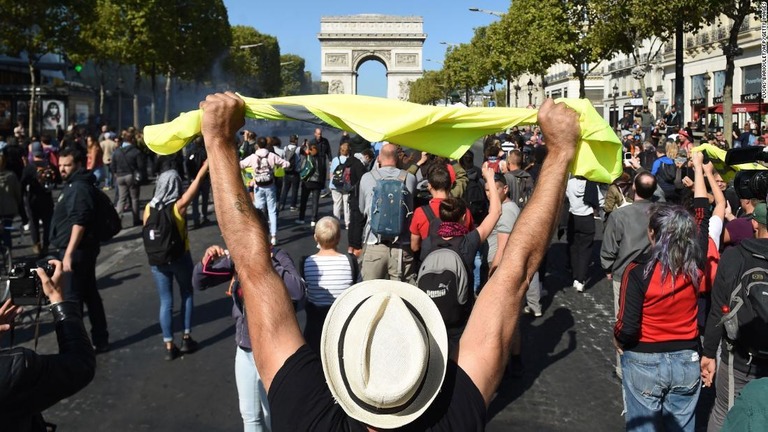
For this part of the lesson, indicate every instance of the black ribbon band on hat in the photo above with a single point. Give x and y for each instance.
(368, 407)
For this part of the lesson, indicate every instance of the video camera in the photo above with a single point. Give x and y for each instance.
(25, 285)
(749, 183)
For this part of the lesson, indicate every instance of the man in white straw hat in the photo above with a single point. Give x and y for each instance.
(384, 360)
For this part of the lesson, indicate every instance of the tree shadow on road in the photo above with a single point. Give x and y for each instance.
(539, 345)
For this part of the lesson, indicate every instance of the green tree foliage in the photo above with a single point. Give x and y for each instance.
(293, 75)
(428, 89)
(463, 71)
(254, 70)
(38, 27)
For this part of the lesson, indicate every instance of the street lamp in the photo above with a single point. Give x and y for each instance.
(251, 45)
(286, 63)
(530, 91)
(517, 90)
(615, 107)
(489, 12)
(450, 44)
(434, 61)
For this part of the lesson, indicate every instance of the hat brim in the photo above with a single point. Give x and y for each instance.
(342, 309)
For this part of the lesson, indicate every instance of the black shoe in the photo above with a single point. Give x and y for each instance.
(101, 347)
(188, 345)
(171, 353)
(205, 222)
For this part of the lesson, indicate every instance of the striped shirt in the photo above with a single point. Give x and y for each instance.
(326, 277)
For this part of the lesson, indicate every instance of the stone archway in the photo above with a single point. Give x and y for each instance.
(346, 42)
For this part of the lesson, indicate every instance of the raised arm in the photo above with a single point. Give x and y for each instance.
(484, 347)
(719, 210)
(272, 324)
(494, 209)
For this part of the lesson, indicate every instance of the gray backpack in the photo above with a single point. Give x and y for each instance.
(444, 278)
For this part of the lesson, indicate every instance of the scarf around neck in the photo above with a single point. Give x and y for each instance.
(452, 229)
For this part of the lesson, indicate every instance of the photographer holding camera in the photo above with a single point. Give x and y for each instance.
(30, 382)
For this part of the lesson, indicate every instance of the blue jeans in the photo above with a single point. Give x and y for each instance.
(267, 196)
(661, 390)
(254, 407)
(164, 274)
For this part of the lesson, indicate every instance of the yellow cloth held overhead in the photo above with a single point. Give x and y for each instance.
(444, 131)
(717, 156)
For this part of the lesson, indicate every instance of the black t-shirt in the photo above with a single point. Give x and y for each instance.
(299, 400)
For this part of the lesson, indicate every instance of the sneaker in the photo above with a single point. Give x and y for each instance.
(293, 208)
(578, 285)
(171, 353)
(325, 194)
(528, 310)
(300, 221)
(274, 241)
(188, 345)
(312, 223)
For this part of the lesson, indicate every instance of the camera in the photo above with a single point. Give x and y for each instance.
(25, 285)
(749, 183)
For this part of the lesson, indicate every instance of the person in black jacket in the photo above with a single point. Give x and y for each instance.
(31, 383)
(127, 161)
(73, 233)
(37, 180)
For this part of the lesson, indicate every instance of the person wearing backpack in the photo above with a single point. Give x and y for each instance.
(263, 163)
(312, 175)
(11, 202)
(291, 180)
(737, 321)
(656, 331)
(74, 233)
(386, 200)
(519, 181)
(448, 261)
(341, 184)
(166, 241)
(665, 170)
(37, 182)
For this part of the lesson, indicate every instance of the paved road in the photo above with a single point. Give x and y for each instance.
(567, 384)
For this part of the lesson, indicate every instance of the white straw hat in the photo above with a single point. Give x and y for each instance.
(384, 350)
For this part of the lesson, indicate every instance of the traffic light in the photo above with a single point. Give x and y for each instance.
(78, 67)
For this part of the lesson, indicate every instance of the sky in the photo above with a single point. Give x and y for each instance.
(296, 24)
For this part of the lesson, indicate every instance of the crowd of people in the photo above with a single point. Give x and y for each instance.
(462, 244)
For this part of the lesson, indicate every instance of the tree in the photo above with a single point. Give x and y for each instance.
(428, 89)
(200, 34)
(462, 70)
(39, 27)
(256, 69)
(293, 75)
(738, 11)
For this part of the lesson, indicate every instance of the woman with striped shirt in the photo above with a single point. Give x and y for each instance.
(327, 273)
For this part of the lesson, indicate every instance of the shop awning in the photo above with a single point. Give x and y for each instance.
(751, 107)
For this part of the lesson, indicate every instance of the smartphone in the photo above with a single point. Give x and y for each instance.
(627, 156)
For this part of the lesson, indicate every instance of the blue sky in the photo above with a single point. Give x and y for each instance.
(296, 23)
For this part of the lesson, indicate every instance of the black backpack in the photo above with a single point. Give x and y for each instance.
(292, 157)
(108, 222)
(162, 239)
(446, 280)
(746, 323)
(474, 196)
(342, 177)
(520, 185)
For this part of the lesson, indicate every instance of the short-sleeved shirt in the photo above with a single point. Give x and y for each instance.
(420, 223)
(299, 400)
(327, 277)
(509, 213)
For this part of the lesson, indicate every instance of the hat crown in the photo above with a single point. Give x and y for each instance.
(386, 352)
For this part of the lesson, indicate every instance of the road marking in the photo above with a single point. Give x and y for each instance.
(124, 249)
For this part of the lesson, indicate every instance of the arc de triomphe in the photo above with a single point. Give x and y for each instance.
(346, 42)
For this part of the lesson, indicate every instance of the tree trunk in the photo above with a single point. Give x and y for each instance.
(733, 40)
(152, 104)
(101, 92)
(166, 115)
(32, 97)
(136, 83)
(582, 83)
(679, 78)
